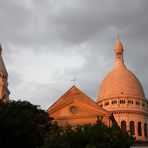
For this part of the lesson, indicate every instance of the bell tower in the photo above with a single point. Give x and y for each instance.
(4, 91)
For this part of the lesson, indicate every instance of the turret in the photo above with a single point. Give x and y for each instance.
(4, 91)
(119, 53)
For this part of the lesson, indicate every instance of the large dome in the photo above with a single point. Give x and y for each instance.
(120, 81)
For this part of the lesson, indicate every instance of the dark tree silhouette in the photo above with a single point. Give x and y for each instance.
(89, 136)
(23, 125)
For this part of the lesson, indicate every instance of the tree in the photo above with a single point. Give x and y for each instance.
(89, 136)
(23, 125)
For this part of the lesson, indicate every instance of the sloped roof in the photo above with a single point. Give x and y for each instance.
(77, 95)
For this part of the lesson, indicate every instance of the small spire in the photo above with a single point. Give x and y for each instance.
(118, 44)
(119, 52)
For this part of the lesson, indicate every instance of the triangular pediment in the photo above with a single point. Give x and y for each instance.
(76, 98)
(75, 108)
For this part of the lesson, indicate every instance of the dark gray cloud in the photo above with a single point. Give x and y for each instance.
(47, 42)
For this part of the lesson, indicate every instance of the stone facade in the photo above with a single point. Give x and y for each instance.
(74, 108)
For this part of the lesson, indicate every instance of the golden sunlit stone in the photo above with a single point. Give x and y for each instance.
(120, 94)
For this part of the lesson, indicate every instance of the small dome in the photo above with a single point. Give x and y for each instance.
(121, 81)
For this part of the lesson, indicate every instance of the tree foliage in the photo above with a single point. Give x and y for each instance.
(22, 125)
(89, 136)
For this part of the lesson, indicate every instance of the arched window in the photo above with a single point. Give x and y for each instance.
(122, 101)
(139, 129)
(137, 103)
(106, 103)
(145, 130)
(114, 102)
(130, 101)
(123, 125)
(101, 105)
(132, 128)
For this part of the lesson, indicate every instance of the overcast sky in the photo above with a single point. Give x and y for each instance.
(48, 42)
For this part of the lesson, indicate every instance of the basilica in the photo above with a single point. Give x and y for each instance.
(120, 96)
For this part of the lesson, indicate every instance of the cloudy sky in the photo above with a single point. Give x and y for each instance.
(48, 42)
